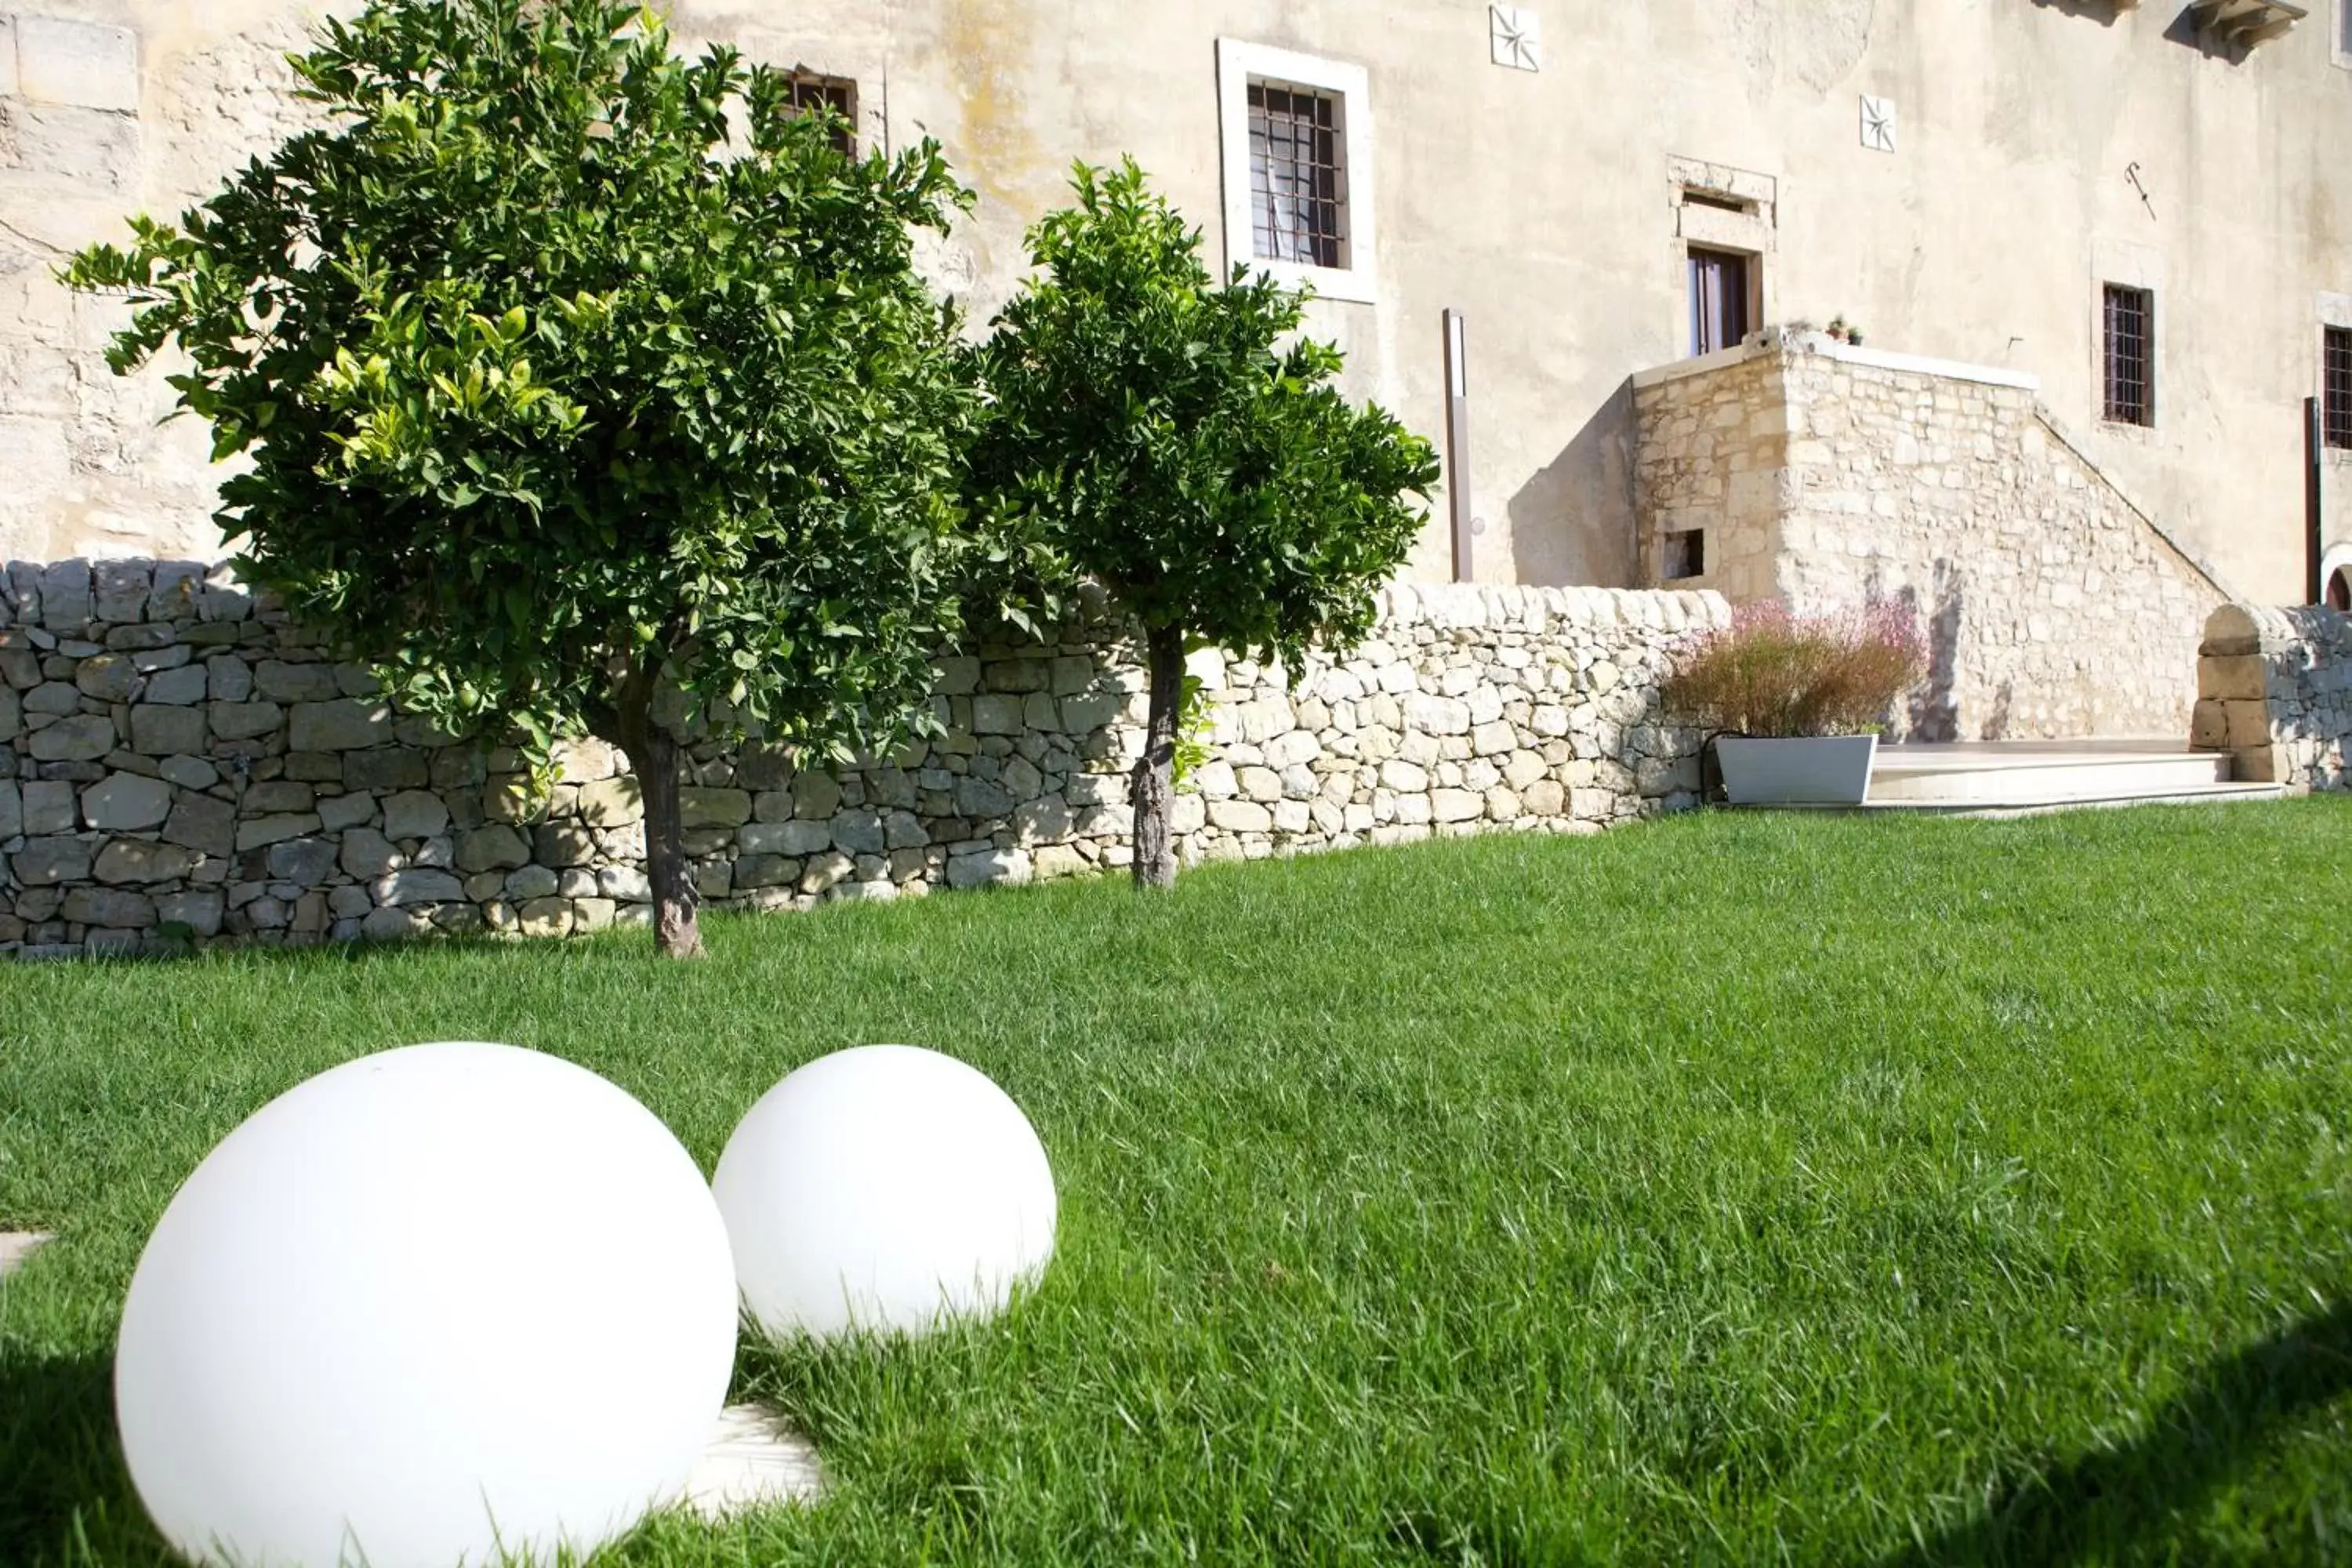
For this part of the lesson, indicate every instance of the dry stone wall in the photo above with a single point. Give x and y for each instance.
(2274, 688)
(2051, 606)
(180, 763)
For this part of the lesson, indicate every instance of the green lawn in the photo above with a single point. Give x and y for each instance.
(1740, 1189)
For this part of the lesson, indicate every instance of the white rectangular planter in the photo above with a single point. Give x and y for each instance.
(1809, 770)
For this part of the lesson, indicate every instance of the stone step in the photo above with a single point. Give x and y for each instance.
(2182, 795)
(2000, 777)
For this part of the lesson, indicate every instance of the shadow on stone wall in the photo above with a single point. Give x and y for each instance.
(1572, 522)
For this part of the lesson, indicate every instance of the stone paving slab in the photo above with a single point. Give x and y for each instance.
(15, 1246)
(752, 1460)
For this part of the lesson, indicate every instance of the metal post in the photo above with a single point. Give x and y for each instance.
(2314, 449)
(1457, 439)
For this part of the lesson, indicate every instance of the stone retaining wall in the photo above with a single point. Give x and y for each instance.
(179, 763)
(2052, 606)
(2274, 688)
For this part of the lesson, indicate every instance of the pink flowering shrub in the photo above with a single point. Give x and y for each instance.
(1774, 673)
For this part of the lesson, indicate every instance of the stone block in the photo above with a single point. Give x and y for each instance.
(555, 844)
(53, 698)
(415, 814)
(815, 795)
(996, 713)
(65, 585)
(142, 860)
(260, 832)
(246, 721)
(2250, 724)
(714, 808)
(794, 837)
(1006, 866)
(528, 883)
(627, 884)
(76, 738)
(200, 821)
(12, 713)
(180, 688)
(112, 907)
(279, 681)
(612, 802)
(305, 862)
(2209, 726)
(124, 803)
(417, 885)
(199, 910)
(276, 795)
(497, 848)
(2238, 677)
(108, 677)
(545, 917)
(1241, 816)
(385, 768)
(51, 862)
(346, 724)
(859, 832)
(82, 65)
(189, 772)
(12, 810)
(230, 678)
(764, 871)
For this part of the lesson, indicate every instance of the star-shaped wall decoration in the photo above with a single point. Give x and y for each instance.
(1518, 36)
(1878, 123)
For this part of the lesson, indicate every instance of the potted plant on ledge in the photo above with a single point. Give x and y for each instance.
(1796, 702)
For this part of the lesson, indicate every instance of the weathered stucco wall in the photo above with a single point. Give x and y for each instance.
(1538, 203)
(2051, 606)
(171, 755)
(2274, 688)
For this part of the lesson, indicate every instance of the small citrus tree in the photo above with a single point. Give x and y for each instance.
(1157, 434)
(575, 378)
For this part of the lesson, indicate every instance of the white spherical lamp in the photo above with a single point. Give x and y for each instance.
(885, 1189)
(430, 1307)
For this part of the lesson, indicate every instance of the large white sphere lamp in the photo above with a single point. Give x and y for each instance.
(430, 1307)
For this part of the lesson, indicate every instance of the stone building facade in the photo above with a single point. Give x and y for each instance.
(1965, 180)
(178, 763)
(1825, 476)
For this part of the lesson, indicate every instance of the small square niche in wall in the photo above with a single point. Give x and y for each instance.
(1518, 36)
(1878, 123)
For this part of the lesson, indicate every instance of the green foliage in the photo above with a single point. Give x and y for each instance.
(1158, 433)
(566, 367)
(1775, 673)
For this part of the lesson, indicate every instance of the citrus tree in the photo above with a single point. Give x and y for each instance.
(579, 383)
(1179, 443)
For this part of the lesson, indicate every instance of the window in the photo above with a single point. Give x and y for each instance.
(1298, 187)
(1718, 300)
(2335, 387)
(2130, 355)
(1295, 135)
(1685, 554)
(812, 91)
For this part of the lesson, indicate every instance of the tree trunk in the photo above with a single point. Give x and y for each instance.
(1154, 791)
(677, 925)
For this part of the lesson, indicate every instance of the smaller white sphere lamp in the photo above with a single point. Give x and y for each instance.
(885, 1189)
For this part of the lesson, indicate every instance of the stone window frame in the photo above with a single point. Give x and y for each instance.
(1239, 64)
(1716, 206)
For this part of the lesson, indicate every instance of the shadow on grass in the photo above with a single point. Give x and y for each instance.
(65, 1495)
(2102, 1503)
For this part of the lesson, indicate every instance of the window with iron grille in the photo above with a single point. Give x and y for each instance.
(1298, 177)
(2335, 387)
(812, 93)
(2130, 355)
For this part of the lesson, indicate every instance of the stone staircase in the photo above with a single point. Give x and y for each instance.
(2024, 778)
